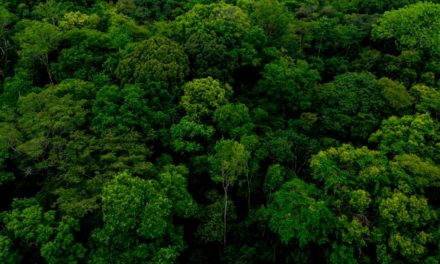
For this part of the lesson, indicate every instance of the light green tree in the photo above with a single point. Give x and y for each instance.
(414, 26)
(229, 162)
(395, 93)
(40, 230)
(203, 96)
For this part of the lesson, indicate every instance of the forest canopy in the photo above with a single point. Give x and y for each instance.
(234, 131)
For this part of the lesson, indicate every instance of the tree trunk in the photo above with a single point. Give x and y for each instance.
(249, 180)
(46, 63)
(225, 213)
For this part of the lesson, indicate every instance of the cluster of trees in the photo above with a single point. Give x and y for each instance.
(236, 131)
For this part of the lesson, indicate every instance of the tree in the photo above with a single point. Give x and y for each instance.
(123, 110)
(187, 134)
(379, 6)
(37, 40)
(207, 57)
(58, 112)
(63, 248)
(227, 164)
(137, 217)
(38, 141)
(231, 28)
(427, 99)
(298, 211)
(233, 120)
(275, 177)
(413, 27)
(406, 67)
(417, 134)
(395, 93)
(363, 199)
(273, 17)
(91, 162)
(7, 255)
(287, 86)
(85, 56)
(235, 131)
(39, 230)
(202, 96)
(226, 22)
(211, 228)
(157, 59)
(124, 30)
(51, 11)
(351, 105)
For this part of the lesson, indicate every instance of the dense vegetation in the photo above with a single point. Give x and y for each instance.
(199, 131)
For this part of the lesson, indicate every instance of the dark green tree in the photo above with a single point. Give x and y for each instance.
(351, 106)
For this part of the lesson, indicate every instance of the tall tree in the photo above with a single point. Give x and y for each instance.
(37, 40)
(227, 164)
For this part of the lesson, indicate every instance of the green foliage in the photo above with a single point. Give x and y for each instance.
(85, 52)
(32, 226)
(272, 16)
(50, 11)
(379, 6)
(36, 41)
(207, 57)
(351, 105)
(187, 134)
(404, 67)
(249, 131)
(211, 227)
(202, 96)
(416, 134)
(400, 214)
(427, 98)
(63, 248)
(6, 19)
(233, 120)
(413, 27)
(298, 212)
(123, 30)
(287, 86)
(28, 221)
(137, 217)
(156, 59)
(7, 255)
(47, 119)
(229, 162)
(395, 93)
(226, 22)
(123, 110)
(274, 178)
